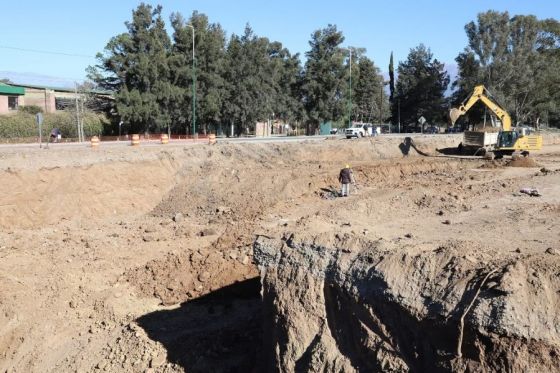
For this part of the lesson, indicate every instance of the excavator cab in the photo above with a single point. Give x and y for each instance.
(507, 139)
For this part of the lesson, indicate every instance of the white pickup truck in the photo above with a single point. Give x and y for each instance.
(357, 131)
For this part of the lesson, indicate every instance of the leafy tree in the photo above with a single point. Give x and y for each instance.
(324, 81)
(421, 85)
(470, 76)
(135, 65)
(547, 97)
(516, 59)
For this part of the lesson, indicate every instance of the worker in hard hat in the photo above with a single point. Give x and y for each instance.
(346, 177)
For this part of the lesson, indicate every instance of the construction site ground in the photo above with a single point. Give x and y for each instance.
(140, 259)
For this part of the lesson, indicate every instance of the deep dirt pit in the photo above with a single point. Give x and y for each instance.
(124, 287)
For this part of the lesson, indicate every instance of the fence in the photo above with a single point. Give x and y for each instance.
(143, 137)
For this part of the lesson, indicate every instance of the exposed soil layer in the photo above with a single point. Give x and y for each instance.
(388, 306)
(140, 259)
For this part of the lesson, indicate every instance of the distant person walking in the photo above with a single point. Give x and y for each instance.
(346, 177)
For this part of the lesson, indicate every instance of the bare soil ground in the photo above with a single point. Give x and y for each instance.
(135, 260)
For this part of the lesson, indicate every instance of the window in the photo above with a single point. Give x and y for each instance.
(62, 103)
(13, 102)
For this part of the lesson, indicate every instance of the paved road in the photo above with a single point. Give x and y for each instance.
(232, 140)
(171, 143)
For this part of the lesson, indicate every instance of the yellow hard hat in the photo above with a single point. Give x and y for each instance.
(347, 166)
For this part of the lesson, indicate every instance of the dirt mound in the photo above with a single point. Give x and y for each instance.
(523, 162)
(377, 306)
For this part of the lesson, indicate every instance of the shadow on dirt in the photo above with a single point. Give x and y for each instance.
(450, 151)
(329, 193)
(405, 146)
(408, 144)
(218, 332)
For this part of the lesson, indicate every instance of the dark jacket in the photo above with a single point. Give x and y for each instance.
(345, 176)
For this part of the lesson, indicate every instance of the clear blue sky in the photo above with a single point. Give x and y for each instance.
(84, 27)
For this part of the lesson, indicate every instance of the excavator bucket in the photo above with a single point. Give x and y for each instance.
(454, 114)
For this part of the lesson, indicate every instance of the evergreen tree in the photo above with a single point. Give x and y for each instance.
(250, 86)
(135, 64)
(369, 100)
(324, 81)
(209, 71)
(421, 86)
(287, 72)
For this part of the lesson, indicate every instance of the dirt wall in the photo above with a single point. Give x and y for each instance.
(337, 304)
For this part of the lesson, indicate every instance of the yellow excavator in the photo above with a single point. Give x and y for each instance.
(504, 142)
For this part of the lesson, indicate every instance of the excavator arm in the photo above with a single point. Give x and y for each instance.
(479, 93)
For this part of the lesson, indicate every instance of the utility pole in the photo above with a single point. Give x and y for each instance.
(77, 112)
(82, 121)
(193, 85)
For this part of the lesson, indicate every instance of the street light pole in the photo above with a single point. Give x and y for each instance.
(349, 49)
(193, 85)
(399, 110)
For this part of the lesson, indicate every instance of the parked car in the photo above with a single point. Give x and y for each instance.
(432, 130)
(356, 131)
(334, 131)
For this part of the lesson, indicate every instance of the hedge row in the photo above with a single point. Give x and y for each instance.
(21, 124)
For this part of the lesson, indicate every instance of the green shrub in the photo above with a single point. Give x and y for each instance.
(30, 109)
(22, 124)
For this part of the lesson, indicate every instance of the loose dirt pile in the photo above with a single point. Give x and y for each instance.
(523, 162)
(127, 259)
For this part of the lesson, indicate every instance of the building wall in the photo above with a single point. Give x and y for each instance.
(44, 98)
(4, 104)
(262, 129)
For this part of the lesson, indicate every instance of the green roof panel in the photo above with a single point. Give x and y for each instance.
(6, 89)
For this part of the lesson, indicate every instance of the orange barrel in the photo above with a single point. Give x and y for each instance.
(211, 139)
(135, 140)
(94, 142)
(164, 138)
